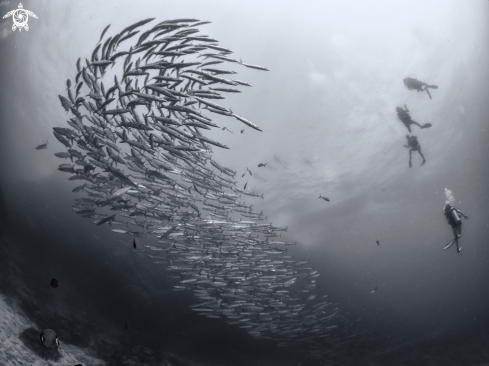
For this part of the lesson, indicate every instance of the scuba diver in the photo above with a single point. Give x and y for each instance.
(405, 118)
(451, 214)
(415, 84)
(413, 145)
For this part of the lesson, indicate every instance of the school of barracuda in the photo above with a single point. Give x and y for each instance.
(155, 169)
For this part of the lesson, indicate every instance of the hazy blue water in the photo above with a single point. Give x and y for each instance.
(327, 108)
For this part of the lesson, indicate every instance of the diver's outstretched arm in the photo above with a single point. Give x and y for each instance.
(460, 212)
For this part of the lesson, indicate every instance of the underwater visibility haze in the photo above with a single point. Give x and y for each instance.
(244, 183)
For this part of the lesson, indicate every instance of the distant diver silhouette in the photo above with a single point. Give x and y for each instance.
(415, 84)
(453, 218)
(405, 118)
(413, 145)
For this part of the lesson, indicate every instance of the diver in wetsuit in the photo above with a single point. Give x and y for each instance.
(453, 218)
(405, 118)
(413, 145)
(415, 84)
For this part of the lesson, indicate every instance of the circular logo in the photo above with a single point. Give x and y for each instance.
(20, 18)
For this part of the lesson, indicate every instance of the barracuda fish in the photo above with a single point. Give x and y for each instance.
(42, 146)
(116, 111)
(245, 121)
(135, 73)
(107, 219)
(62, 155)
(256, 67)
(67, 168)
(227, 90)
(209, 141)
(101, 63)
(65, 103)
(80, 188)
(226, 254)
(137, 126)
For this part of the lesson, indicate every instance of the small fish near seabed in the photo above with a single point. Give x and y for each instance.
(49, 339)
(324, 198)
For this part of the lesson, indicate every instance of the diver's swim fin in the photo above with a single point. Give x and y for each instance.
(426, 125)
(449, 244)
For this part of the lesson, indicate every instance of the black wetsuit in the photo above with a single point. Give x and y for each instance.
(455, 222)
(405, 118)
(413, 145)
(415, 84)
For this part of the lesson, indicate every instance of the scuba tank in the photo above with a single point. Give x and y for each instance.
(455, 216)
(452, 215)
(413, 83)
